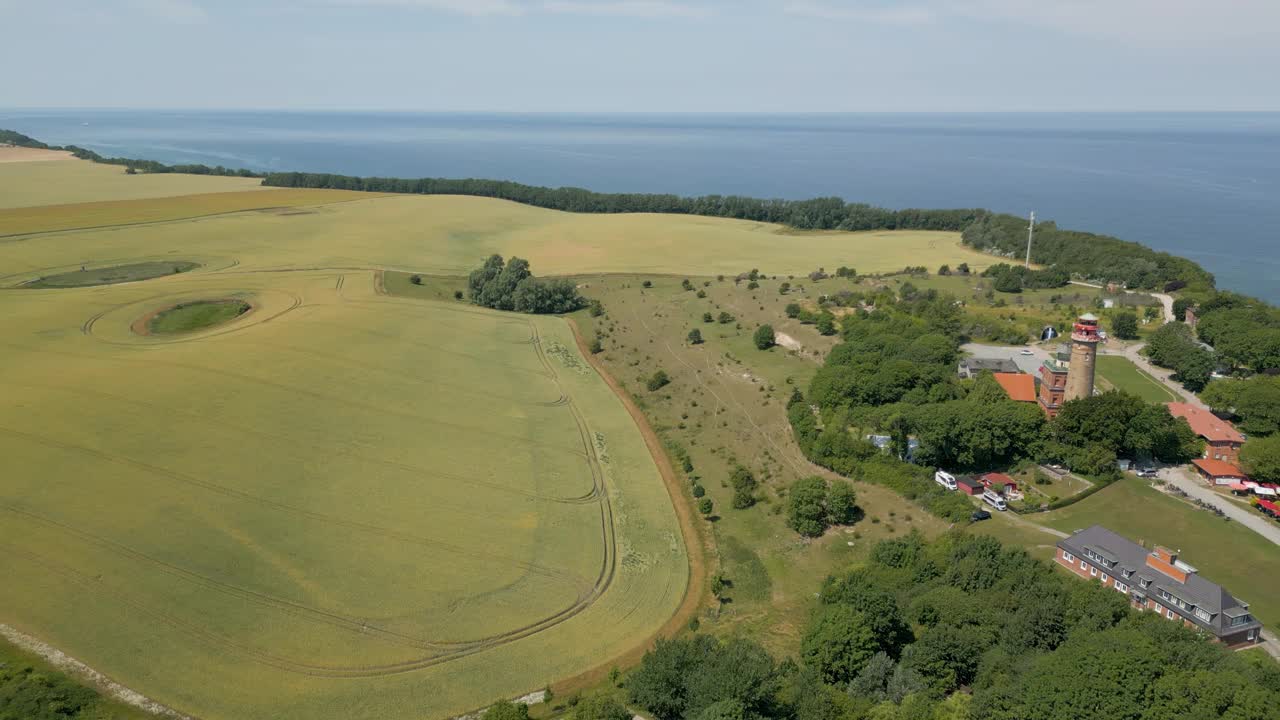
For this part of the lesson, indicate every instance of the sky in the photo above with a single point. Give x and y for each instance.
(643, 55)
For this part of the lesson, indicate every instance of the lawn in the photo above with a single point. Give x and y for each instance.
(1238, 558)
(345, 505)
(1120, 373)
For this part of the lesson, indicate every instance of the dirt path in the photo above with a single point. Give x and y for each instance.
(694, 540)
(74, 667)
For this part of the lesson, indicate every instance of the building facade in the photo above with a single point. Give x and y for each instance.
(1084, 357)
(1053, 387)
(1158, 581)
(1221, 439)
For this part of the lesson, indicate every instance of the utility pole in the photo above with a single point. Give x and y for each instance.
(1031, 230)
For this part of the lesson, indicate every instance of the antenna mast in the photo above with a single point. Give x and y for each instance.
(1031, 230)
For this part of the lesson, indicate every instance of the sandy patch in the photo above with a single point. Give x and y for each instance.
(13, 154)
(787, 341)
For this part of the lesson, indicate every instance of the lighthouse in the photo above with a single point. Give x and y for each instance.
(1084, 356)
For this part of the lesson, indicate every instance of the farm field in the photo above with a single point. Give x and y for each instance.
(47, 218)
(1116, 371)
(56, 182)
(449, 235)
(340, 504)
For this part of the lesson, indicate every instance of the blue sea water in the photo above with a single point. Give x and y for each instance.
(1202, 185)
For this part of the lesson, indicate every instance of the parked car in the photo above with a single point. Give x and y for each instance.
(1147, 472)
(945, 479)
(979, 515)
(995, 500)
(1026, 352)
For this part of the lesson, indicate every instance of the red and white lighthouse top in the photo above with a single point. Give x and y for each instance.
(1085, 328)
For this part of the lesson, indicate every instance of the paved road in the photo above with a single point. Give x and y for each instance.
(1186, 481)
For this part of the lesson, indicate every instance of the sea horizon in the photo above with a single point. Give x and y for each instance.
(1198, 184)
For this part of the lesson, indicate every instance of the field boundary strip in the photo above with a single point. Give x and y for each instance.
(60, 218)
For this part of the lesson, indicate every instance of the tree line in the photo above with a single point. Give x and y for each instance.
(957, 628)
(131, 165)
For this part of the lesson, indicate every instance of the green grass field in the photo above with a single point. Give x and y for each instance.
(189, 317)
(1244, 562)
(90, 277)
(1120, 373)
(345, 504)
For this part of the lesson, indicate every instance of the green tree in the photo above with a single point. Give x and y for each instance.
(506, 710)
(764, 337)
(842, 503)
(744, 486)
(596, 347)
(725, 318)
(600, 707)
(838, 643)
(793, 310)
(706, 507)
(596, 308)
(706, 317)
(1255, 402)
(1261, 458)
(657, 381)
(695, 337)
(806, 506)
(826, 324)
(1124, 325)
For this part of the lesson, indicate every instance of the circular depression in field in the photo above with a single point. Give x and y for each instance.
(115, 271)
(194, 315)
(191, 316)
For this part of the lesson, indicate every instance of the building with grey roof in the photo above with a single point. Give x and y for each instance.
(972, 367)
(1157, 580)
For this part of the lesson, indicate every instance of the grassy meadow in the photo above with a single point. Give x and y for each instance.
(726, 406)
(341, 504)
(1118, 372)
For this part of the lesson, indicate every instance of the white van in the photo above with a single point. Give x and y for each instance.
(945, 479)
(993, 498)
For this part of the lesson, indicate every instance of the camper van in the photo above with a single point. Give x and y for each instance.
(945, 479)
(993, 498)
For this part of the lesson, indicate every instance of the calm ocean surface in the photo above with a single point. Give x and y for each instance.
(1206, 186)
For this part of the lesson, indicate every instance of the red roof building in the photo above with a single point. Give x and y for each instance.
(1019, 386)
(1217, 472)
(1222, 440)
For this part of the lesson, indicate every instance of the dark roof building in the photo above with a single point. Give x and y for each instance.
(1157, 580)
(969, 485)
(972, 367)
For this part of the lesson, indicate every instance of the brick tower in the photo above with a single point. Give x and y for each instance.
(1084, 355)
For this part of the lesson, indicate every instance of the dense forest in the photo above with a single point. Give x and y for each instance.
(961, 628)
(1086, 255)
(894, 372)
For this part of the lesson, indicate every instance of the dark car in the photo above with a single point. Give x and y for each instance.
(980, 515)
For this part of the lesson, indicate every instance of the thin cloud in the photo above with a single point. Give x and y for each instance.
(628, 8)
(180, 12)
(479, 8)
(896, 15)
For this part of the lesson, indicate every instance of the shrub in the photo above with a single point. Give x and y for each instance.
(647, 284)
(706, 507)
(415, 279)
(695, 337)
(658, 381)
(764, 337)
(725, 318)
(596, 308)
(596, 347)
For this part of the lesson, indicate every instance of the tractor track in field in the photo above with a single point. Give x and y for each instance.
(452, 651)
(326, 398)
(318, 447)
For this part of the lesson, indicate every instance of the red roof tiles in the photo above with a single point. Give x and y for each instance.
(1206, 424)
(1020, 387)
